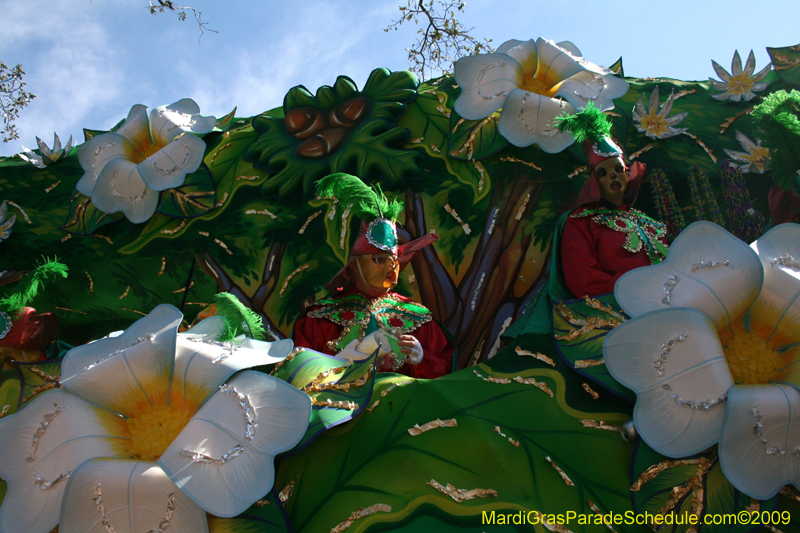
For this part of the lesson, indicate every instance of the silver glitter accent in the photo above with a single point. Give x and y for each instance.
(709, 264)
(521, 111)
(249, 410)
(198, 457)
(377, 244)
(785, 260)
(44, 484)
(163, 172)
(665, 349)
(188, 150)
(46, 419)
(98, 502)
(5, 317)
(477, 291)
(149, 338)
(495, 212)
(668, 286)
(691, 404)
(165, 522)
(796, 453)
(758, 426)
(485, 69)
(230, 346)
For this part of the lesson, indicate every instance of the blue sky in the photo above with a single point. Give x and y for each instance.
(88, 62)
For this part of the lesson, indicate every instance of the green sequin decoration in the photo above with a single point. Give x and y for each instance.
(640, 230)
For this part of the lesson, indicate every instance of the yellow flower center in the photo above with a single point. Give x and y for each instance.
(153, 430)
(541, 84)
(654, 124)
(751, 359)
(740, 84)
(145, 151)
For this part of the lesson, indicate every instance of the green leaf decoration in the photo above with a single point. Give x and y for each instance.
(337, 130)
(374, 459)
(267, 515)
(84, 218)
(580, 352)
(194, 198)
(675, 477)
(329, 379)
(225, 123)
(35, 378)
(786, 62)
(617, 69)
(9, 391)
(474, 139)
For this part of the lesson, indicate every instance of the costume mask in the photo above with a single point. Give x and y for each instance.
(612, 176)
(379, 272)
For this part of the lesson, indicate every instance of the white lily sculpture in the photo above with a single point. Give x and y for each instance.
(713, 353)
(126, 169)
(533, 82)
(48, 156)
(152, 428)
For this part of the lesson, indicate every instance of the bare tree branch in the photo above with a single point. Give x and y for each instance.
(442, 38)
(13, 98)
(160, 6)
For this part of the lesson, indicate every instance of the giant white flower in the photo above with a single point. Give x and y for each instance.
(713, 353)
(533, 82)
(125, 169)
(150, 429)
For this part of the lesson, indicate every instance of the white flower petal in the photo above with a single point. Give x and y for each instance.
(721, 292)
(120, 188)
(529, 118)
(95, 153)
(282, 414)
(718, 85)
(721, 72)
(118, 372)
(588, 85)
(557, 64)
(760, 75)
(169, 167)
(524, 52)
(694, 369)
(136, 129)
(750, 66)
(135, 497)
(202, 364)
(75, 433)
(570, 47)
(736, 64)
(485, 81)
(167, 122)
(743, 454)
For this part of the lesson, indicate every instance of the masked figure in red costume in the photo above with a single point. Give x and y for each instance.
(605, 237)
(362, 313)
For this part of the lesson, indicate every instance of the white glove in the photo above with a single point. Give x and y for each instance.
(416, 355)
(358, 351)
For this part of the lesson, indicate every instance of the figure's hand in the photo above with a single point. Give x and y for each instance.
(410, 346)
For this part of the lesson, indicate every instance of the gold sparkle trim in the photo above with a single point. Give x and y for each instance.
(319, 387)
(133, 310)
(512, 441)
(224, 197)
(107, 239)
(266, 212)
(754, 507)
(361, 513)
(725, 125)
(790, 492)
(418, 140)
(163, 266)
(561, 473)
(289, 357)
(539, 384)
(202, 304)
(308, 221)
(493, 379)
(4, 411)
(223, 246)
(24, 214)
(124, 294)
(290, 276)
(681, 94)
(594, 424)
(261, 503)
(518, 160)
(286, 493)
(91, 282)
(786, 62)
(374, 405)
(469, 144)
(596, 510)
(594, 303)
(589, 363)
(70, 310)
(66, 237)
(433, 424)
(247, 178)
(176, 229)
(443, 111)
(203, 233)
(523, 207)
(183, 289)
(53, 186)
(482, 171)
(647, 148)
(461, 495)
(453, 214)
(214, 157)
(343, 235)
(477, 354)
(388, 390)
(702, 145)
(435, 149)
(40, 389)
(538, 355)
(593, 393)
(459, 123)
(576, 172)
(352, 406)
(42, 374)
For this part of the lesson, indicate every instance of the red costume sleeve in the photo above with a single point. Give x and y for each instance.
(582, 271)
(315, 333)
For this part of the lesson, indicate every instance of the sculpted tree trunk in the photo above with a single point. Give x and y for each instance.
(269, 280)
(493, 291)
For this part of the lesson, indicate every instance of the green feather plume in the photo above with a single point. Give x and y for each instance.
(589, 123)
(27, 289)
(368, 203)
(778, 117)
(238, 318)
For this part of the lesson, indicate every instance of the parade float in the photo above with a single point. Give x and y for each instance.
(153, 388)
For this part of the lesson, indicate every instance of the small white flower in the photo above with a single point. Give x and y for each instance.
(755, 157)
(740, 84)
(654, 122)
(48, 156)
